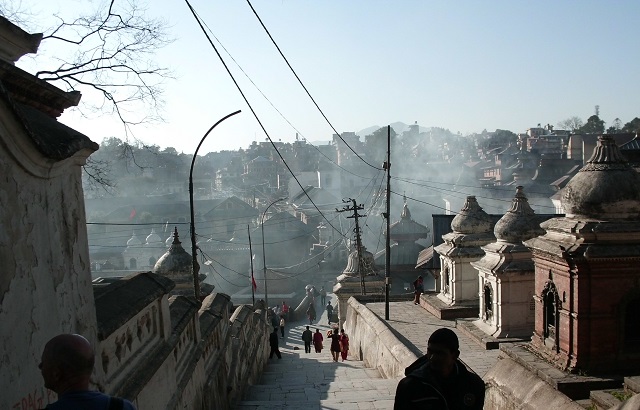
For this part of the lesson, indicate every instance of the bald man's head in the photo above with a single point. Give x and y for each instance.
(67, 362)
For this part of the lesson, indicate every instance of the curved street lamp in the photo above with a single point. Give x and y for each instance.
(195, 267)
(264, 255)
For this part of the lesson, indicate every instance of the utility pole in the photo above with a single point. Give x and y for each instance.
(253, 281)
(387, 251)
(355, 208)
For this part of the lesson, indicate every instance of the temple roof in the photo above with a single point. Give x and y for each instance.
(406, 229)
(607, 187)
(176, 261)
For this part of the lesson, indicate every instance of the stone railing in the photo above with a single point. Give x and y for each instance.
(170, 353)
(374, 342)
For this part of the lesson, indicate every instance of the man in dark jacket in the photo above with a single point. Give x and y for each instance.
(273, 342)
(307, 337)
(439, 380)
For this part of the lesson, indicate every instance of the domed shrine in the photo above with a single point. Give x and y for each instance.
(176, 264)
(360, 277)
(472, 229)
(506, 274)
(140, 255)
(587, 269)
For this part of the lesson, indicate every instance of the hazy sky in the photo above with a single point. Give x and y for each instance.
(461, 65)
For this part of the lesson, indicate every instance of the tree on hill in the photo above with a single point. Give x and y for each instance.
(571, 124)
(376, 143)
(632, 126)
(615, 127)
(594, 125)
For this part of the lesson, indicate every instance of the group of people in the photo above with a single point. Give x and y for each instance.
(316, 338)
(339, 342)
(437, 380)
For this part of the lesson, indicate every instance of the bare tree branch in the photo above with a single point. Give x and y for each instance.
(110, 55)
(107, 55)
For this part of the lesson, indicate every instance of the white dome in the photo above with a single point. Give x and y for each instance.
(134, 241)
(153, 237)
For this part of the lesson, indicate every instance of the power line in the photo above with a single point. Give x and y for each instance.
(305, 88)
(274, 107)
(255, 114)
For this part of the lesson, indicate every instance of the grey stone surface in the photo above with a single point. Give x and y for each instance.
(313, 381)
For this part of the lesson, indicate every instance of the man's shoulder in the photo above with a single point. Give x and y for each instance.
(86, 400)
(470, 377)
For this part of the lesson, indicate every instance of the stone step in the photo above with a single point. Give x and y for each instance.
(632, 384)
(585, 403)
(331, 404)
(605, 399)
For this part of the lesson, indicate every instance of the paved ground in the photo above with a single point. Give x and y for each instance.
(416, 324)
(313, 381)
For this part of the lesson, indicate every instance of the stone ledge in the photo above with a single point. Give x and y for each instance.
(632, 384)
(603, 399)
(467, 327)
(442, 311)
(574, 386)
(511, 386)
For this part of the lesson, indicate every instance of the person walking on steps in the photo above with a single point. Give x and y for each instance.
(323, 296)
(273, 342)
(317, 340)
(311, 313)
(329, 310)
(335, 344)
(344, 345)
(282, 326)
(418, 289)
(307, 337)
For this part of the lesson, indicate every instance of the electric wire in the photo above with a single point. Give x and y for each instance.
(274, 107)
(254, 113)
(305, 88)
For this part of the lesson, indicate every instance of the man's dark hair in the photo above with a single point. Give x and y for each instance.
(445, 337)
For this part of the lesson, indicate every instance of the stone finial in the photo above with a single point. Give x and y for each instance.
(471, 218)
(606, 155)
(405, 211)
(519, 223)
(520, 203)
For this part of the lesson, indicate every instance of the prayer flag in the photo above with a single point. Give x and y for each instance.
(132, 214)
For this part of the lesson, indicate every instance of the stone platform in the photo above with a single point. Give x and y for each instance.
(442, 311)
(467, 327)
(574, 386)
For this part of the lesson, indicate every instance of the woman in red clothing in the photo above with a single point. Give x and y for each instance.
(317, 341)
(344, 345)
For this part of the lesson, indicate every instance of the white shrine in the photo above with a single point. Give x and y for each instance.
(506, 274)
(472, 229)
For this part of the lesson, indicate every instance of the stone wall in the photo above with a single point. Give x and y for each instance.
(169, 353)
(45, 283)
(510, 386)
(374, 342)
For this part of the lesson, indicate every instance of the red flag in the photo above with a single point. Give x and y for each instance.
(253, 283)
(132, 214)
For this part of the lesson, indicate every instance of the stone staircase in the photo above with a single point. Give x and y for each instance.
(313, 381)
(625, 398)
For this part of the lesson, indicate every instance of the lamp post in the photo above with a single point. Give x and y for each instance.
(264, 255)
(195, 267)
